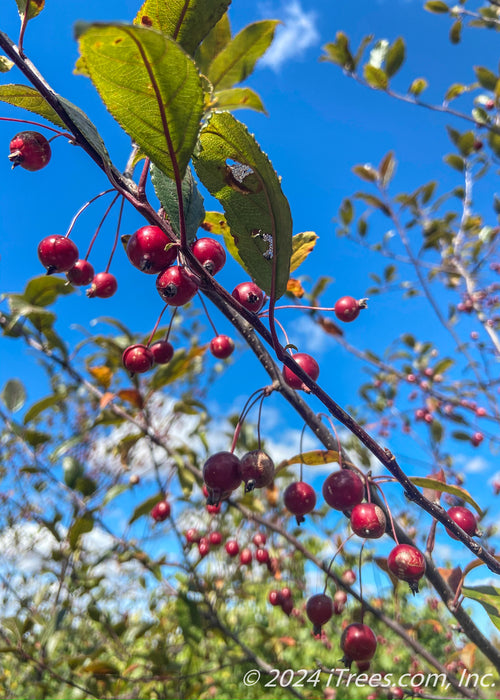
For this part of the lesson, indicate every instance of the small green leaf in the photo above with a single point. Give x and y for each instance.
(489, 597)
(235, 170)
(436, 6)
(373, 201)
(418, 86)
(466, 143)
(166, 191)
(387, 168)
(72, 471)
(213, 43)
(79, 527)
(455, 162)
(44, 290)
(456, 32)
(436, 485)
(237, 98)
(150, 86)
(113, 492)
(5, 64)
(486, 78)
(494, 141)
(395, 57)
(187, 21)
(14, 395)
(338, 52)
(375, 77)
(366, 172)
(145, 507)
(236, 61)
(34, 7)
(42, 405)
(180, 365)
(302, 245)
(454, 91)
(346, 211)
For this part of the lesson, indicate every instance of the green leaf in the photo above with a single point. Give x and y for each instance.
(188, 618)
(14, 395)
(454, 91)
(237, 59)
(5, 64)
(366, 172)
(386, 168)
(375, 77)
(150, 86)
(313, 458)
(489, 597)
(237, 98)
(212, 45)
(180, 365)
(44, 290)
(418, 86)
(436, 6)
(302, 245)
(494, 141)
(166, 191)
(395, 57)
(466, 143)
(436, 485)
(79, 527)
(42, 405)
(34, 8)
(72, 471)
(145, 507)
(372, 201)
(113, 492)
(30, 99)
(455, 162)
(235, 170)
(486, 78)
(456, 32)
(346, 211)
(339, 53)
(187, 21)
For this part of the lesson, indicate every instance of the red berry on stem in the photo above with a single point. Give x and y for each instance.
(232, 548)
(245, 557)
(81, 273)
(175, 286)
(57, 253)
(257, 470)
(30, 150)
(368, 520)
(408, 564)
(249, 295)
(464, 518)
(343, 489)
(137, 358)
(215, 538)
(347, 308)
(319, 609)
(358, 642)
(262, 555)
(275, 597)
(210, 254)
(349, 577)
(259, 539)
(163, 351)
(104, 285)
(307, 363)
(192, 535)
(203, 548)
(146, 250)
(221, 472)
(161, 511)
(287, 606)
(299, 499)
(477, 439)
(221, 346)
(339, 601)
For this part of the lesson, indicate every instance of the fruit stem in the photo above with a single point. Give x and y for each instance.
(41, 126)
(99, 227)
(250, 403)
(116, 235)
(167, 335)
(300, 448)
(141, 186)
(388, 510)
(207, 314)
(339, 549)
(24, 24)
(82, 209)
(361, 581)
(156, 326)
(264, 394)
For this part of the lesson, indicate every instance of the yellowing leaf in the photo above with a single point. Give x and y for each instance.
(302, 245)
(294, 287)
(106, 399)
(437, 485)
(103, 375)
(132, 396)
(313, 458)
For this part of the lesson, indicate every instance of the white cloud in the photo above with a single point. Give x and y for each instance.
(297, 33)
(476, 465)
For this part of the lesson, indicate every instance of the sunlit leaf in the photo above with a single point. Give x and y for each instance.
(13, 395)
(486, 78)
(237, 59)
(418, 86)
(5, 64)
(237, 98)
(489, 597)
(314, 458)
(186, 21)
(295, 287)
(79, 527)
(103, 375)
(375, 77)
(150, 86)
(213, 43)
(436, 485)
(436, 6)
(34, 7)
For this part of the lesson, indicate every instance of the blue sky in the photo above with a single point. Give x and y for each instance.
(320, 124)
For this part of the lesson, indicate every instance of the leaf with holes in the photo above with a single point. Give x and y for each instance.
(235, 170)
(151, 87)
(237, 59)
(166, 191)
(186, 21)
